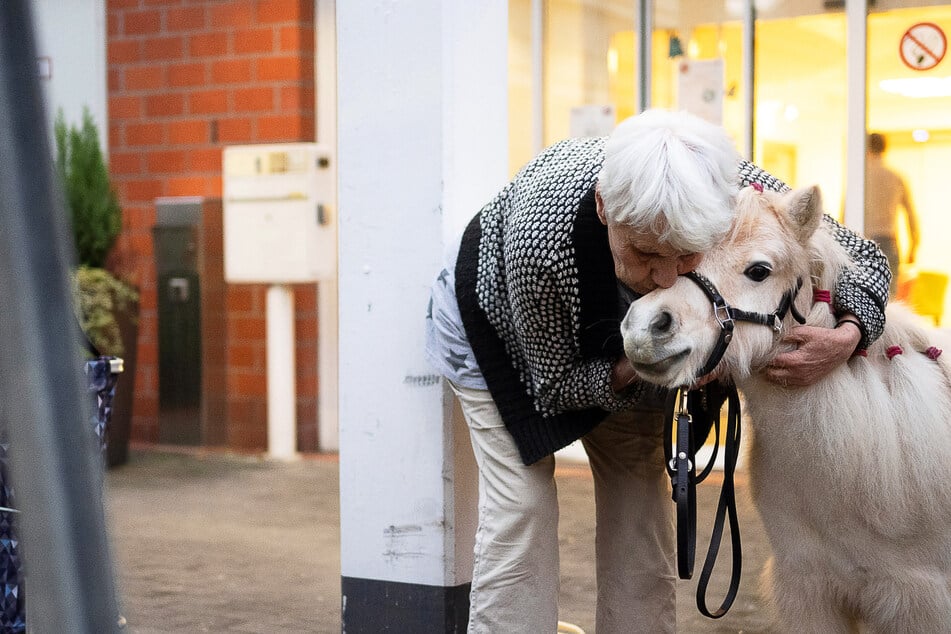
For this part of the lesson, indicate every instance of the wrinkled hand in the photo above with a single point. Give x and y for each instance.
(818, 352)
(622, 375)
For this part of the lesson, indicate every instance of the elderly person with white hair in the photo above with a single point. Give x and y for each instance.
(524, 323)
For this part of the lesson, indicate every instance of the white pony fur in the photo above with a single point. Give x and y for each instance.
(851, 476)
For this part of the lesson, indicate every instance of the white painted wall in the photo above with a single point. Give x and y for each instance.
(422, 145)
(72, 34)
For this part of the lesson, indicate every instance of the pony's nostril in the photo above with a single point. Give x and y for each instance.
(662, 323)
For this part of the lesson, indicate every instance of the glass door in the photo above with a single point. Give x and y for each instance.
(909, 112)
(587, 75)
(801, 80)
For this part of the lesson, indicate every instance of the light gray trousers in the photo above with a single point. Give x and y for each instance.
(515, 574)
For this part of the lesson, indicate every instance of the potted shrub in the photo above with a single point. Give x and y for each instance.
(107, 306)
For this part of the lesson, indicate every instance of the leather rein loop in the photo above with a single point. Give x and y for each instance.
(683, 479)
(681, 466)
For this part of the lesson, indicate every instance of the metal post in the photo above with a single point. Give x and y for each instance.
(538, 75)
(281, 373)
(55, 466)
(749, 83)
(645, 27)
(856, 64)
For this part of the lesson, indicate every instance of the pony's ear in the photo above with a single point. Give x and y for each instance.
(804, 207)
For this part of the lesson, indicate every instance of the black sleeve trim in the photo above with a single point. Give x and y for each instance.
(597, 285)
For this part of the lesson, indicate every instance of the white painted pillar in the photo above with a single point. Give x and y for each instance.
(422, 145)
(281, 373)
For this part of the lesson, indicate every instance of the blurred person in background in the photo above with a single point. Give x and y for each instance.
(886, 198)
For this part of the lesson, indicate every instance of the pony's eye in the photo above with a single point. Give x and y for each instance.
(758, 271)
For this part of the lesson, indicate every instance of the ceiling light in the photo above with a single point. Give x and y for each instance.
(693, 49)
(918, 87)
(612, 60)
(739, 7)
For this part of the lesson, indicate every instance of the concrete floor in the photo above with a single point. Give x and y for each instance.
(220, 543)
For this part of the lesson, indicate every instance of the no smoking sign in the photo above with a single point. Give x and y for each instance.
(923, 46)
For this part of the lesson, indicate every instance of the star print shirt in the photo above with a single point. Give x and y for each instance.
(447, 348)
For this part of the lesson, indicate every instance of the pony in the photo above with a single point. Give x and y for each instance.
(852, 475)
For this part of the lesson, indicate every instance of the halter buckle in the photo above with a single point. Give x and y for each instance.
(777, 323)
(721, 312)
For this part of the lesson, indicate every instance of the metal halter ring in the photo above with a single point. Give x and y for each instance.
(673, 464)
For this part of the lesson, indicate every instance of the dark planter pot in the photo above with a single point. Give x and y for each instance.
(120, 424)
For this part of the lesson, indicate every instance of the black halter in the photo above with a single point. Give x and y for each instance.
(681, 437)
(726, 315)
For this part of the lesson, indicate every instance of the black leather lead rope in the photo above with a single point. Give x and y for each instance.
(683, 482)
(684, 479)
(726, 507)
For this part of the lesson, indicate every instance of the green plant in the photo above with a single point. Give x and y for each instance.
(100, 296)
(96, 219)
(93, 207)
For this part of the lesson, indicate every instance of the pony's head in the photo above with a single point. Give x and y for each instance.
(670, 334)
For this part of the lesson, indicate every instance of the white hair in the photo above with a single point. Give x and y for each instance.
(673, 174)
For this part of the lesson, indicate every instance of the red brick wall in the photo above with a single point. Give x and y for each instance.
(187, 78)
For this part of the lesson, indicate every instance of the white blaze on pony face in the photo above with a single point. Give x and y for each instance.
(669, 333)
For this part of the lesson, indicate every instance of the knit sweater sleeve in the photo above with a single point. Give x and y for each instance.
(862, 289)
(546, 332)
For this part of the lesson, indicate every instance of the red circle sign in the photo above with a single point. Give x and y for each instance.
(923, 46)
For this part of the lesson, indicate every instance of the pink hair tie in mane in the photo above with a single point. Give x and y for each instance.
(893, 351)
(933, 353)
(822, 295)
(757, 186)
(861, 352)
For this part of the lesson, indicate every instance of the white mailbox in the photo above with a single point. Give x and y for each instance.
(278, 224)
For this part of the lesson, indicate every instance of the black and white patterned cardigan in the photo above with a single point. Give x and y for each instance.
(539, 299)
